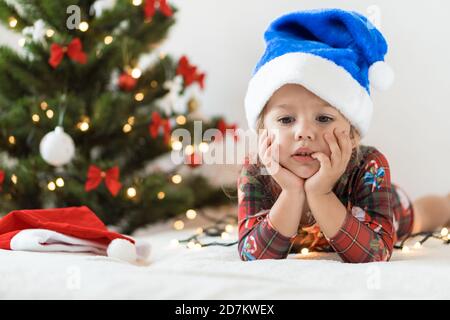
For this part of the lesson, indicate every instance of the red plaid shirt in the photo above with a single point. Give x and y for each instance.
(378, 214)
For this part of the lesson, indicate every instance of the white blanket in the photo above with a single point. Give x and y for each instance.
(218, 273)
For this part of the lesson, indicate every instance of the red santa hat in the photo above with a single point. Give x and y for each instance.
(72, 229)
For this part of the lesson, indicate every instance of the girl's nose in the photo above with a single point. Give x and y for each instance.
(304, 132)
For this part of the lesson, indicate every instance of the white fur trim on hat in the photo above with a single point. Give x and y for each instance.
(321, 76)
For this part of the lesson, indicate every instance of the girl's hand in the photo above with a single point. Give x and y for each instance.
(332, 169)
(268, 152)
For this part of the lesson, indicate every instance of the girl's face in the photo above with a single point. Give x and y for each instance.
(299, 118)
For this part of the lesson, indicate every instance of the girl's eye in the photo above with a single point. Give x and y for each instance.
(285, 120)
(324, 119)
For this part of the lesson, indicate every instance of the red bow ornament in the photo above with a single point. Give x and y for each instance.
(95, 176)
(222, 126)
(151, 6)
(74, 51)
(189, 73)
(126, 82)
(156, 123)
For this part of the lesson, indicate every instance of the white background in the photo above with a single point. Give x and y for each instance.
(411, 123)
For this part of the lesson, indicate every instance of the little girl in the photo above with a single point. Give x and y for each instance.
(313, 185)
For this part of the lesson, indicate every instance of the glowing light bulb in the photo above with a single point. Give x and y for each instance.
(50, 113)
(444, 232)
(177, 145)
(51, 186)
(191, 214)
(139, 96)
(35, 118)
(127, 128)
(44, 105)
(304, 251)
(229, 228)
(60, 182)
(108, 40)
(176, 179)
(131, 192)
(203, 147)
(161, 195)
(137, 2)
(83, 26)
(14, 179)
(180, 120)
(189, 150)
(12, 140)
(84, 126)
(136, 73)
(49, 33)
(417, 245)
(22, 42)
(12, 22)
(405, 249)
(178, 225)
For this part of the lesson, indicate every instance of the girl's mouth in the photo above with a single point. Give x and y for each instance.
(303, 157)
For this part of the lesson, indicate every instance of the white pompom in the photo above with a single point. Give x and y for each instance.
(57, 147)
(122, 249)
(381, 75)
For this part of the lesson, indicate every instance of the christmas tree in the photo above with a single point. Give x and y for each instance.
(81, 119)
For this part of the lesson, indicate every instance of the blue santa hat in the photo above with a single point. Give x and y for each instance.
(335, 54)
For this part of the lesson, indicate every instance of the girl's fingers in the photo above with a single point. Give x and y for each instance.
(346, 146)
(323, 159)
(336, 153)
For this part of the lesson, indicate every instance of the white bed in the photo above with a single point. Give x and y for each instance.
(218, 273)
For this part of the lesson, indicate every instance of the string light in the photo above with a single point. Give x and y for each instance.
(49, 113)
(44, 105)
(203, 147)
(83, 125)
(139, 96)
(218, 229)
(35, 117)
(137, 2)
(177, 145)
(189, 150)
(12, 22)
(22, 42)
(229, 228)
(417, 245)
(178, 225)
(131, 192)
(136, 73)
(444, 232)
(304, 251)
(131, 120)
(60, 182)
(225, 235)
(126, 128)
(83, 26)
(108, 40)
(154, 84)
(180, 120)
(12, 140)
(191, 214)
(49, 33)
(51, 186)
(161, 195)
(405, 249)
(14, 179)
(176, 179)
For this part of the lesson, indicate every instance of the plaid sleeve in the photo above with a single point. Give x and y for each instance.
(258, 239)
(367, 233)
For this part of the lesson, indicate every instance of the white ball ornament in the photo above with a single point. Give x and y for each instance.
(57, 147)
